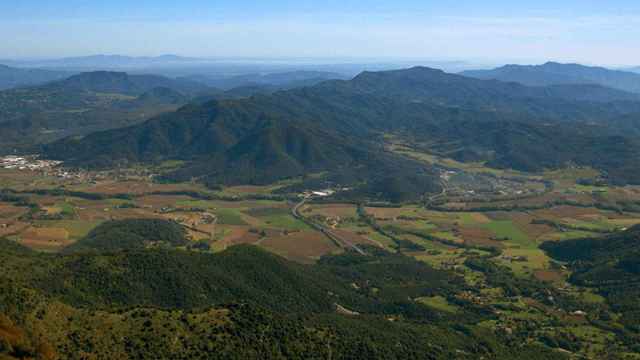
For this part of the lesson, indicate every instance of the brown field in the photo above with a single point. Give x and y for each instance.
(48, 239)
(385, 213)
(135, 187)
(478, 236)
(13, 227)
(499, 215)
(535, 201)
(160, 201)
(46, 200)
(564, 212)
(52, 210)
(8, 211)
(480, 218)
(303, 246)
(335, 210)
(534, 231)
(121, 214)
(549, 275)
(248, 189)
(235, 235)
(248, 204)
(100, 211)
(353, 237)
(240, 235)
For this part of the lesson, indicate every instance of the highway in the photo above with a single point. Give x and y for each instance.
(327, 232)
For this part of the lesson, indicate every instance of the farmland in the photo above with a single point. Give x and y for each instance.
(502, 225)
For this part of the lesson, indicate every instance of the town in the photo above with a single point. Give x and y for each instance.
(27, 162)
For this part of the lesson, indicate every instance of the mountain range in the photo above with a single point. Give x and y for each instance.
(337, 126)
(553, 73)
(92, 101)
(123, 83)
(11, 77)
(85, 103)
(275, 81)
(105, 62)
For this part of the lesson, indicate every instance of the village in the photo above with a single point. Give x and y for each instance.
(27, 162)
(44, 167)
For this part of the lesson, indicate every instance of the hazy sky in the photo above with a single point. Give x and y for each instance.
(588, 31)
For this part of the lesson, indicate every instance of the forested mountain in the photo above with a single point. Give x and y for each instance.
(85, 103)
(609, 265)
(95, 101)
(599, 250)
(241, 303)
(11, 77)
(336, 125)
(553, 73)
(123, 83)
(281, 81)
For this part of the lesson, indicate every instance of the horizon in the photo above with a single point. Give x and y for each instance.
(495, 32)
(279, 64)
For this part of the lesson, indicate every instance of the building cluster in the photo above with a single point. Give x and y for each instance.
(44, 167)
(27, 163)
(447, 174)
(323, 193)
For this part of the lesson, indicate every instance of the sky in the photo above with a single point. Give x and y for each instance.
(490, 31)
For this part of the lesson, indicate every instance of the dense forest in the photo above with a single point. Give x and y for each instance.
(244, 302)
(610, 266)
(132, 234)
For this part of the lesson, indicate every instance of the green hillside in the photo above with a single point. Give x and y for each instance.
(236, 304)
(131, 234)
(610, 266)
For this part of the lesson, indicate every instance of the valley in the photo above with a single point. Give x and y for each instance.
(400, 214)
(338, 180)
(486, 226)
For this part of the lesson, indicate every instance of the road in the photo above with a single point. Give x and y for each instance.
(335, 238)
(433, 198)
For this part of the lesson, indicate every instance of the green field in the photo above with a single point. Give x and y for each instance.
(438, 303)
(67, 209)
(230, 217)
(287, 222)
(77, 228)
(508, 230)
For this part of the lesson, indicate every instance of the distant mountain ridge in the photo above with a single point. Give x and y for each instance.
(457, 90)
(275, 81)
(553, 73)
(123, 83)
(335, 126)
(105, 62)
(85, 103)
(11, 77)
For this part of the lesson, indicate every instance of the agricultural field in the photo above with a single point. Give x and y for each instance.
(466, 222)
